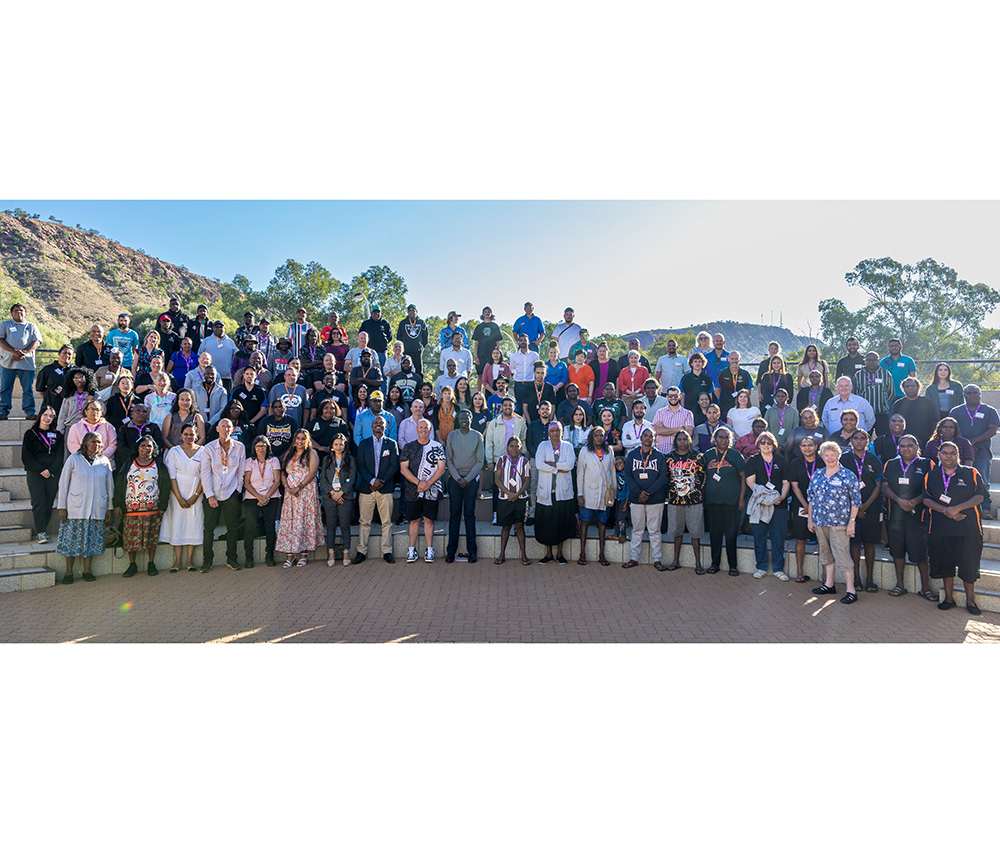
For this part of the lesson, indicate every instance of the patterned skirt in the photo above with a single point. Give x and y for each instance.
(141, 532)
(81, 537)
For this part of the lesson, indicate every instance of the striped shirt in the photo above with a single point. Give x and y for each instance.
(671, 418)
(297, 334)
(876, 388)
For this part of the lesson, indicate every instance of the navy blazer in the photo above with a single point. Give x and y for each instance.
(388, 465)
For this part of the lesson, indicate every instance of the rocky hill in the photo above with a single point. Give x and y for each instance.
(70, 278)
(750, 340)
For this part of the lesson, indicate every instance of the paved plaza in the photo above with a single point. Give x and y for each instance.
(482, 602)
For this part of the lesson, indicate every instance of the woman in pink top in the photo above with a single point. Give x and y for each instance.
(92, 422)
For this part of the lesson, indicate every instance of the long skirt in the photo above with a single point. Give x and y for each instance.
(555, 523)
(81, 537)
(141, 532)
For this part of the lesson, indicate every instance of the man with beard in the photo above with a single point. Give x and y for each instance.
(379, 333)
(407, 380)
(412, 332)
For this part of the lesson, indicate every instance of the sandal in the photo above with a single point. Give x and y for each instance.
(303, 559)
(498, 561)
(699, 570)
(803, 578)
(733, 572)
(825, 589)
(897, 591)
(174, 570)
(871, 588)
(930, 595)
(192, 569)
(288, 563)
(630, 564)
(605, 562)
(713, 569)
(581, 561)
(673, 566)
(525, 561)
(849, 598)
(660, 566)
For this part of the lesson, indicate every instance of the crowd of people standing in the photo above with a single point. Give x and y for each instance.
(164, 438)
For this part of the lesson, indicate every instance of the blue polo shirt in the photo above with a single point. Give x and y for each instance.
(900, 370)
(715, 363)
(532, 326)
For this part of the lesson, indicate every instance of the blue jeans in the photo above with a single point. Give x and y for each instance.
(462, 502)
(776, 532)
(27, 379)
(983, 467)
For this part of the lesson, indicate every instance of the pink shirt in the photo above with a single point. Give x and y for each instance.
(262, 479)
(671, 418)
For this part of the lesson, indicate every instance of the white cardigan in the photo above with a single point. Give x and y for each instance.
(85, 489)
(564, 481)
(594, 478)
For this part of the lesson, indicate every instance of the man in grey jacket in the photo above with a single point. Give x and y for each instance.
(464, 452)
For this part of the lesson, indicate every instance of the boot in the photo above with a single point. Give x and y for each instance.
(131, 570)
(151, 569)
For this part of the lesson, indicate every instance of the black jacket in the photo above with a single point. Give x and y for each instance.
(36, 458)
(387, 469)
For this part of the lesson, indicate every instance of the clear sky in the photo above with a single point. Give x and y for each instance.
(623, 265)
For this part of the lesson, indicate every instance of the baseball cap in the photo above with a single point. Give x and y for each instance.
(376, 307)
(376, 395)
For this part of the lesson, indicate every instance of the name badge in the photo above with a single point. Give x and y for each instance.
(980, 416)
(643, 475)
(904, 481)
(945, 499)
(949, 392)
(859, 365)
(678, 363)
(735, 393)
(781, 431)
(835, 482)
(802, 512)
(878, 380)
(900, 364)
(812, 407)
(861, 486)
(336, 485)
(769, 486)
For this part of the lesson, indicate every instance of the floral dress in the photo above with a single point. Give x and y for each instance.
(145, 356)
(300, 528)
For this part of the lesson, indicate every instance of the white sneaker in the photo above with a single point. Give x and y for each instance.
(494, 519)
(758, 574)
(781, 575)
(411, 555)
(429, 555)
(42, 538)
(330, 562)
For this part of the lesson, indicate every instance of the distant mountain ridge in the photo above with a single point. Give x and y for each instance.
(748, 339)
(70, 278)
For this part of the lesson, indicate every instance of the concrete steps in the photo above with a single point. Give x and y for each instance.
(25, 579)
(10, 453)
(14, 481)
(14, 535)
(16, 514)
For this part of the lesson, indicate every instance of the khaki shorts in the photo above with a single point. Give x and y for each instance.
(834, 548)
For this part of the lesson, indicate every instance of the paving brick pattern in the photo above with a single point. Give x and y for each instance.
(483, 602)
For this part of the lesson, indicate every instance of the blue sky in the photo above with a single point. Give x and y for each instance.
(624, 265)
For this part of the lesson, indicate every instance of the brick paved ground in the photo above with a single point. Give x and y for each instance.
(377, 602)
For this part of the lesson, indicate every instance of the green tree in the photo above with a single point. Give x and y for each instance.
(936, 314)
(380, 285)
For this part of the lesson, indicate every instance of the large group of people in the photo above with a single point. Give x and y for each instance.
(164, 438)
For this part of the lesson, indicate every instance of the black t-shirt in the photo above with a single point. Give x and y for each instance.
(413, 337)
(886, 448)
(408, 383)
(487, 334)
(480, 421)
(338, 396)
(921, 416)
(908, 486)
(965, 483)
(322, 431)
(693, 385)
(870, 472)
(757, 469)
(50, 381)
(87, 355)
(801, 472)
(848, 366)
(379, 334)
(278, 433)
(252, 400)
(529, 409)
(727, 386)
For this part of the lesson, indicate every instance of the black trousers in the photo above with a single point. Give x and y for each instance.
(260, 521)
(229, 511)
(339, 515)
(43, 492)
(723, 521)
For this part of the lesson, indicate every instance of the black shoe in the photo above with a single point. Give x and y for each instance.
(825, 589)
(131, 570)
(972, 608)
(233, 565)
(849, 598)
(562, 560)
(68, 579)
(529, 522)
(249, 563)
(449, 558)
(206, 567)
(388, 557)
(359, 557)
(472, 558)
(269, 563)
(946, 604)
(151, 569)
(88, 577)
(398, 522)
(4, 418)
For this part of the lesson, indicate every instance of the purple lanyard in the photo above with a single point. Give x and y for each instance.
(871, 378)
(768, 467)
(906, 466)
(781, 418)
(860, 465)
(775, 385)
(972, 418)
(814, 396)
(48, 442)
(812, 470)
(946, 479)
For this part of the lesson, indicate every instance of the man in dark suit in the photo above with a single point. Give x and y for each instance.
(378, 464)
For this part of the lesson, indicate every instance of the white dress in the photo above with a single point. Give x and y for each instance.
(183, 526)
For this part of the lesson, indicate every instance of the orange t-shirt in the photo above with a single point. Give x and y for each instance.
(583, 377)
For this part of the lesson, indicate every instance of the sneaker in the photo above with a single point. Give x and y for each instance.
(781, 575)
(758, 574)
(494, 519)
(411, 555)
(42, 538)
(233, 565)
(429, 555)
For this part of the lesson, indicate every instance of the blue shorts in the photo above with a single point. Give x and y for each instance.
(598, 515)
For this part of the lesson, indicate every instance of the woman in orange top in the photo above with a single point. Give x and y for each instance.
(582, 375)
